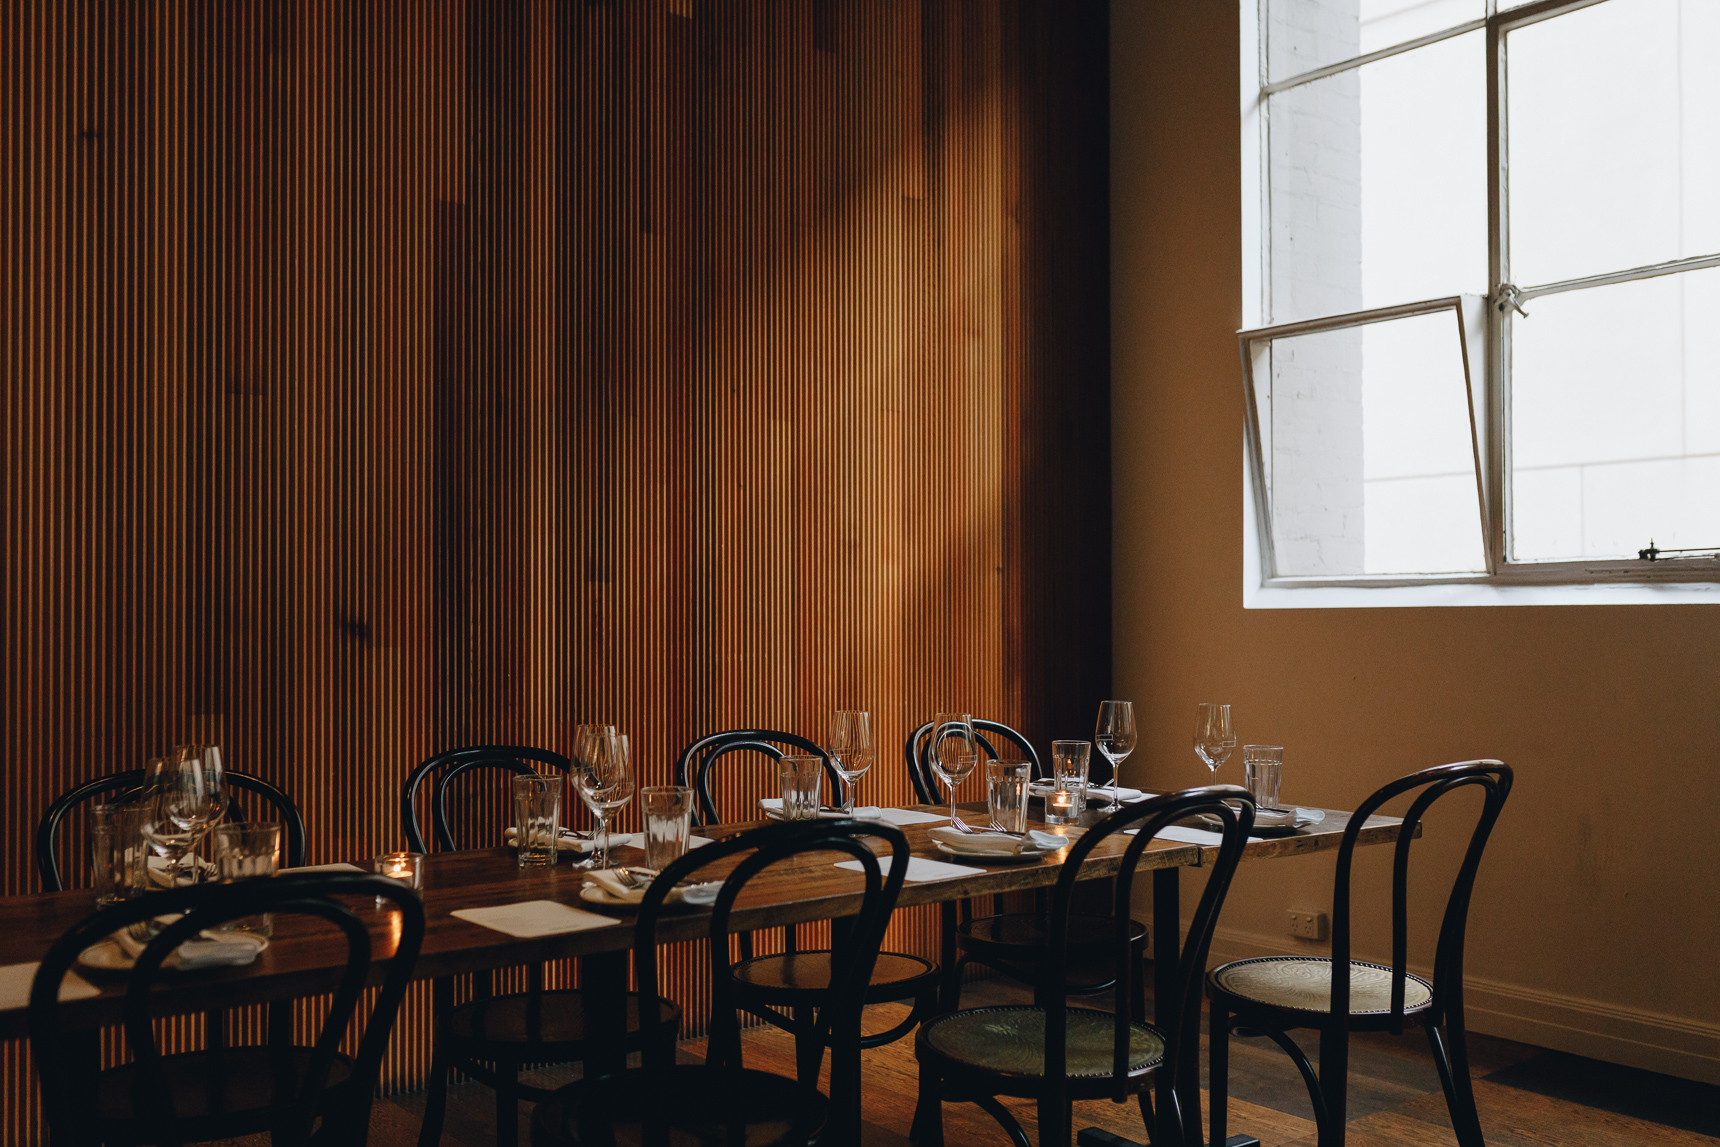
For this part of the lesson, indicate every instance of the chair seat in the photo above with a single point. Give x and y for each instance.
(1304, 984)
(1010, 1041)
(552, 1025)
(697, 1106)
(243, 1105)
(781, 978)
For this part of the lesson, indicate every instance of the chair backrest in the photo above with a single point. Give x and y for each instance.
(446, 767)
(694, 766)
(854, 949)
(1182, 1031)
(65, 1094)
(1493, 778)
(120, 785)
(989, 734)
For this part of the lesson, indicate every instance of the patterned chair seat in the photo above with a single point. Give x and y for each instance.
(1304, 984)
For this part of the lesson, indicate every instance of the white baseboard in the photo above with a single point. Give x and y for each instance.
(1655, 1041)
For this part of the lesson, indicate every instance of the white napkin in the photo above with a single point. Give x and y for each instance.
(1034, 844)
(533, 918)
(15, 981)
(698, 894)
(210, 950)
(772, 807)
(159, 867)
(919, 869)
(570, 843)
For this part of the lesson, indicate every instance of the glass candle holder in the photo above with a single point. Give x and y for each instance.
(406, 867)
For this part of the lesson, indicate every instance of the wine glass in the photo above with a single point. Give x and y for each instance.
(1213, 737)
(183, 797)
(955, 751)
(850, 750)
(586, 741)
(605, 784)
(1114, 734)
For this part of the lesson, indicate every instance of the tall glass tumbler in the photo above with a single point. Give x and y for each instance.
(247, 851)
(1067, 799)
(1262, 769)
(1006, 794)
(802, 780)
(117, 851)
(537, 818)
(668, 820)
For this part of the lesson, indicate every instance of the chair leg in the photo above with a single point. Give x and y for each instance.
(1144, 1100)
(435, 1099)
(1453, 1067)
(927, 1129)
(1056, 1118)
(1334, 1083)
(507, 1106)
(1218, 1069)
(808, 1052)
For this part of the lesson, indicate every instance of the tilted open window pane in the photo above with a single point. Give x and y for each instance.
(1378, 188)
(1615, 420)
(1614, 139)
(1302, 35)
(1365, 457)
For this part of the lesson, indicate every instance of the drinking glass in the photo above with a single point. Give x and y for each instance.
(1262, 767)
(668, 818)
(117, 850)
(184, 797)
(1006, 794)
(1114, 734)
(850, 750)
(801, 781)
(1068, 798)
(1213, 737)
(247, 851)
(955, 751)
(605, 785)
(537, 818)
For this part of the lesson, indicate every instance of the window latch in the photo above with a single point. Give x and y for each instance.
(1653, 552)
(1509, 296)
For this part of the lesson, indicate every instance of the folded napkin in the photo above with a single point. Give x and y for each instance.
(772, 807)
(569, 842)
(1036, 843)
(16, 980)
(697, 894)
(534, 918)
(160, 870)
(210, 950)
(919, 868)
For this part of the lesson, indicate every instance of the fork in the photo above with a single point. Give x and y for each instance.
(628, 877)
(962, 826)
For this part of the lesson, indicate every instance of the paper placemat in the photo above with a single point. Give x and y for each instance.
(902, 816)
(323, 868)
(15, 981)
(1188, 835)
(919, 868)
(534, 918)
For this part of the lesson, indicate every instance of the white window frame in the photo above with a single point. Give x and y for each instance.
(1485, 325)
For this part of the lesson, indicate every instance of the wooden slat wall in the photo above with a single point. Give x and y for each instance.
(386, 376)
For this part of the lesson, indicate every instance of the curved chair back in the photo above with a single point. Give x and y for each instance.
(445, 768)
(855, 946)
(295, 1101)
(1493, 778)
(1182, 1031)
(122, 784)
(989, 734)
(698, 760)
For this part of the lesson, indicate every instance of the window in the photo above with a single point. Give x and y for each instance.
(1483, 311)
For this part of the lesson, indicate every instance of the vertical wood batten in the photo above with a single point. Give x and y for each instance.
(384, 375)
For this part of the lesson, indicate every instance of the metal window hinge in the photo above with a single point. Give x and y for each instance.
(1653, 552)
(1509, 296)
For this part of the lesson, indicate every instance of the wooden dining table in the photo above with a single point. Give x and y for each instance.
(303, 961)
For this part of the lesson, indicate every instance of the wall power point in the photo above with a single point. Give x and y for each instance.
(1307, 925)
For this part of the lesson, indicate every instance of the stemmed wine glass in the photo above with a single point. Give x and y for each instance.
(850, 750)
(605, 784)
(955, 752)
(586, 740)
(1213, 737)
(183, 797)
(1114, 734)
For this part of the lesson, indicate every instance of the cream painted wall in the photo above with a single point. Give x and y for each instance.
(1596, 923)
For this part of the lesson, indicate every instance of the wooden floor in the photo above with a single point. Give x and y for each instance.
(1527, 1097)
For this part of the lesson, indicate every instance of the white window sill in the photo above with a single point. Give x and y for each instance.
(1257, 596)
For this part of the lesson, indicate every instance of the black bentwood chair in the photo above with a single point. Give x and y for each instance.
(721, 1103)
(226, 1092)
(1271, 995)
(797, 980)
(123, 785)
(1014, 942)
(493, 1037)
(1056, 1054)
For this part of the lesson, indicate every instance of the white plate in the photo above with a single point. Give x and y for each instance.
(988, 857)
(108, 956)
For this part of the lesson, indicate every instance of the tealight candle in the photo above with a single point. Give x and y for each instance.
(406, 867)
(1057, 804)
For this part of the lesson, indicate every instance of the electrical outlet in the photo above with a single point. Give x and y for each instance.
(1307, 925)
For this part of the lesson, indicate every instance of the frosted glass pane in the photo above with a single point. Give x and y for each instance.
(1302, 35)
(1614, 138)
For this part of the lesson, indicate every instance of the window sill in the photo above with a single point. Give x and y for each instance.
(1257, 596)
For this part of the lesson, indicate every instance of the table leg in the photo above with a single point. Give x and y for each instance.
(1167, 955)
(603, 982)
(949, 984)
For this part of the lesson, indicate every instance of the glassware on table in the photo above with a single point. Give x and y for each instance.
(668, 818)
(955, 751)
(802, 781)
(1214, 739)
(406, 867)
(247, 850)
(586, 740)
(537, 818)
(1114, 734)
(850, 749)
(1262, 768)
(184, 797)
(1006, 794)
(605, 784)
(1067, 799)
(117, 851)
